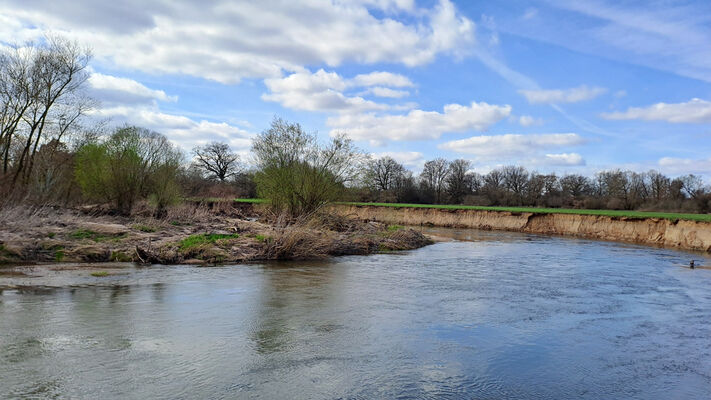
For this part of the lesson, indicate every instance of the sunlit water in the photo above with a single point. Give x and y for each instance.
(501, 316)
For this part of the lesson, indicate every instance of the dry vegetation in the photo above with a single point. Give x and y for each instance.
(191, 233)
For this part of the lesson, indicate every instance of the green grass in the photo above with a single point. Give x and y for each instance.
(81, 234)
(394, 228)
(204, 238)
(99, 274)
(59, 254)
(536, 210)
(262, 238)
(144, 228)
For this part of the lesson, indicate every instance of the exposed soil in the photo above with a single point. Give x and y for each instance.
(683, 234)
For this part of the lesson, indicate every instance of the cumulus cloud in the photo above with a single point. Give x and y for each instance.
(527, 120)
(320, 91)
(380, 91)
(514, 145)
(124, 100)
(226, 41)
(382, 78)
(693, 111)
(410, 159)
(682, 166)
(183, 131)
(558, 96)
(111, 89)
(419, 124)
(568, 159)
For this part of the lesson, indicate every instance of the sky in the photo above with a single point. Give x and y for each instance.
(554, 86)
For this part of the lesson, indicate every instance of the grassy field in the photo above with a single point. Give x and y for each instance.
(609, 213)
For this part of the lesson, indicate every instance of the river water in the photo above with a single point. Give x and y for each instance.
(493, 315)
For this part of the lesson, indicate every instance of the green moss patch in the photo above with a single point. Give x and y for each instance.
(82, 234)
(204, 238)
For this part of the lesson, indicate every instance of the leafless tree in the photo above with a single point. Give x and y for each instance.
(384, 173)
(40, 99)
(457, 180)
(217, 160)
(433, 177)
(575, 186)
(515, 180)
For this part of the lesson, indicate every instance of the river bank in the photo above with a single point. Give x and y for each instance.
(681, 234)
(189, 234)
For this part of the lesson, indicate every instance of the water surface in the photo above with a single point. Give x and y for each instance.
(496, 315)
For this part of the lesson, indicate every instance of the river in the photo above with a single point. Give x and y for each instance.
(491, 315)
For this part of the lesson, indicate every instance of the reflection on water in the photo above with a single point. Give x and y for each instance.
(498, 315)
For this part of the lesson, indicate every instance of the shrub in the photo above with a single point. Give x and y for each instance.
(296, 173)
(133, 163)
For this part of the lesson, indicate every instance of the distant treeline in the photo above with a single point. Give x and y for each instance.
(452, 182)
(49, 155)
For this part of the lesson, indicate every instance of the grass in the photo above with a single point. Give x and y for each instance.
(81, 234)
(609, 213)
(394, 228)
(59, 254)
(120, 256)
(204, 238)
(144, 228)
(261, 238)
(99, 274)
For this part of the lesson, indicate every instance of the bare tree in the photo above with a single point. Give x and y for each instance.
(217, 160)
(515, 180)
(458, 184)
(659, 185)
(575, 186)
(433, 177)
(40, 99)
(384, 173)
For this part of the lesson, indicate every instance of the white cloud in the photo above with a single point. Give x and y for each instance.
(387, 92)
(419, 124)
(567, 159)
(382, 78)
(683, 166)
(556, 96)
(320, 91)
(226, 41)
(692, 111)
(183, 131)
(111, 89)
(512, 145)
(124, 100)
(410, 159)
(527, 120)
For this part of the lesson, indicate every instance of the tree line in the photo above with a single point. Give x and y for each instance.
(51, 153)
(453, 182)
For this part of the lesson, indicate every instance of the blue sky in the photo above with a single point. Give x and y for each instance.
(551, 85)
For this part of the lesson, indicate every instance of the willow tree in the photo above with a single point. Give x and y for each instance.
(299, 175)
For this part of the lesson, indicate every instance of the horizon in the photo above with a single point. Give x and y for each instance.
(553, 87)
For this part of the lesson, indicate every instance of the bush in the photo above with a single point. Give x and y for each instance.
(297, 174)
(133, 163)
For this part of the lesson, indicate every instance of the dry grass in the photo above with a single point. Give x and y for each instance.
(297, 243)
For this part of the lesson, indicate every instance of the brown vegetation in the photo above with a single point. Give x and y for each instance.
(218, 232)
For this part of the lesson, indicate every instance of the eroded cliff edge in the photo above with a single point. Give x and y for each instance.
(683, 234)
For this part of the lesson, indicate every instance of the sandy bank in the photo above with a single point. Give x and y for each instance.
(688, 235)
